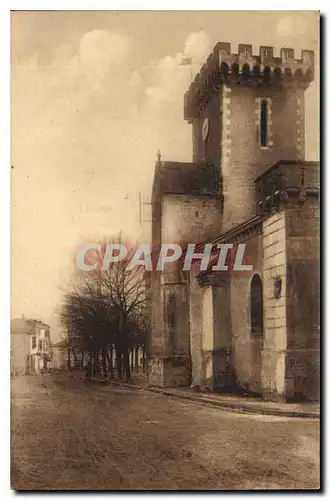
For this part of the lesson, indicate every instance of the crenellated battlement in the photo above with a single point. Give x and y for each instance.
(222, 66)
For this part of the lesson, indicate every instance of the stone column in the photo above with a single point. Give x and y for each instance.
(218, 370)
(196, 330)
(223, 367)
(207, 337)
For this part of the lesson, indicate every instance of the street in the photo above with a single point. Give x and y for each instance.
(71, 434)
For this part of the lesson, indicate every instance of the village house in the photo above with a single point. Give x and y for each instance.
(249, 183)
(30, 346)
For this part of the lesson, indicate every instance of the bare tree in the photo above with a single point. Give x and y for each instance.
(125, 290)
(105, 309)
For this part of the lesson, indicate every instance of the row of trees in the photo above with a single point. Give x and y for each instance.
(106, 311)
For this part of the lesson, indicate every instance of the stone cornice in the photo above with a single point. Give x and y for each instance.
(287, 162)
(169, 283)
(287, 182)
(238, 234)
(242, 232)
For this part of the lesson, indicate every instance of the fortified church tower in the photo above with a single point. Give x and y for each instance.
(248, 182)
(247, 113)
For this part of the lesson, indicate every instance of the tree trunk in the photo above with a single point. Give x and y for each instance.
(74, 359)
(144, 359)
(110, 361)
(97, 353)
(104, 361)
(94, 371)
(126, 364)
(69, 359)
(137, 359)
(124, 345)
(119, 364)
(131, 353)
(89, 366)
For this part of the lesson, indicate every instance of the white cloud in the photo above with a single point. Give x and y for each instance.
(101, 49)
(164, 97)
(198, 46)
(86, 132)
(171, 78)
(297, 27)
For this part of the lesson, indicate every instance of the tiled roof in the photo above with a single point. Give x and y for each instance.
(23, 325)
(188, 178)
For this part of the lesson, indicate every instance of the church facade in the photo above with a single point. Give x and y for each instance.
(248, 183)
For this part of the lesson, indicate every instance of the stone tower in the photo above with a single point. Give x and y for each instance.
(248, 183)
(247, 112)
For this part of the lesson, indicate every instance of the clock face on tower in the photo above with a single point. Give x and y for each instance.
(205, 129)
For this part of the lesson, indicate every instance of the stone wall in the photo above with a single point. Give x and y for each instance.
(176, 316)
(184, 219)
(243, 159)
(190, 218)
(169, 371)
(155, 371)
(246, 346)
(207, 338)
(20, 349)
(195, 324)
(302, 303)
(156, 297)
(223, 367)
(275, 340)
(209, 150)
(177, 219)
(291, 343)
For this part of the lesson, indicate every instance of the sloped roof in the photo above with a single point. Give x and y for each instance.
(24, 325)
(188, 178)
(19, 325)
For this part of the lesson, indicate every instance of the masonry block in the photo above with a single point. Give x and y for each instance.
(169, 371)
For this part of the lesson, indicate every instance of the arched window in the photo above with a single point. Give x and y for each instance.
(256, 305)
(263, 123)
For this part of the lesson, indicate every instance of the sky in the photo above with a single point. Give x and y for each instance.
(94, 95)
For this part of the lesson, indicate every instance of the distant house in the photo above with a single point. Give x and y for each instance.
(59, 359)
(31, 350)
